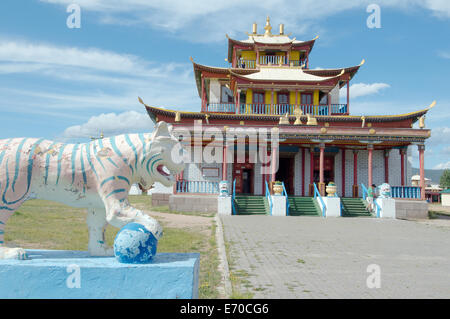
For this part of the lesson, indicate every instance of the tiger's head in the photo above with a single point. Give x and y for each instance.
(162, 159)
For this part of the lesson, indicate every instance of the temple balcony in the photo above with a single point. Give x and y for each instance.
(277, 109)
(269, 60)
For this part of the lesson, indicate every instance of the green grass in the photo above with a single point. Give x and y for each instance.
(238, 278)
(145, 202)
(40, 224)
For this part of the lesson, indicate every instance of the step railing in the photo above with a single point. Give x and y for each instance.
(233, 197)
(197, 187)
(287, 199)
(365, 194)
(407, 192)
(269, 198)
(317, 195)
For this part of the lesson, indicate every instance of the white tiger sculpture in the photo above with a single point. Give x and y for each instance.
(95, 175)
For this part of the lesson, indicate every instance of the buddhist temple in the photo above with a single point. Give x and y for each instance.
(269, 84)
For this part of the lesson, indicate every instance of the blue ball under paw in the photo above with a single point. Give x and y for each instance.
(135, 244)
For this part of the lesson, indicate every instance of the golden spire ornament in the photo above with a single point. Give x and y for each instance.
(268, 27)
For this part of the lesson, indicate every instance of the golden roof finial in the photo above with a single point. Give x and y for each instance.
(268, 27)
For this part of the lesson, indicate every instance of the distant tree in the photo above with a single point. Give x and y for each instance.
(445, 179)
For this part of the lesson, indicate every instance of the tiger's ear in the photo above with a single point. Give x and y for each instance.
(162, 129)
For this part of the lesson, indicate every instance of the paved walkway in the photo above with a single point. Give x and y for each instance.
(312, 257)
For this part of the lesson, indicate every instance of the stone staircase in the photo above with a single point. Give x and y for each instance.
(303, 206)
(251, 205)
(354, 207)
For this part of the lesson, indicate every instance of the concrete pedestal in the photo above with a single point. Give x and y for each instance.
(387, 207)
(60, 274)
(278, 205)
(333, 205)
(224, 205)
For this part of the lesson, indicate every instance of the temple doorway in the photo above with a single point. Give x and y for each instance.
(286, 173)
(243, 174)
(328, 169)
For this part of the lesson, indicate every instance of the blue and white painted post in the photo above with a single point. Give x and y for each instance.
(278, 205)
(385, 202)
(333, 206)
(224, 206)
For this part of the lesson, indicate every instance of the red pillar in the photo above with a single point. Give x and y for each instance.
(370, 161)
(343, 172)
(303, 172)
(273, 162)
(402, 166)
(264, 176)
(348, 96)
(311, 169)
(355, 173)
(329, 103)
(224, 163)
(422, 170)
(321, 169)
(386, 166)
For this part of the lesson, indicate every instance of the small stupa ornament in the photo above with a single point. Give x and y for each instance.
(268, 28)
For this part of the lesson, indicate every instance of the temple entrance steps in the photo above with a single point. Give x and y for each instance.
(354, 207)
(251, 205)
(303, 206)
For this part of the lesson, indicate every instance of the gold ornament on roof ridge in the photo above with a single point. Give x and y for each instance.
(268, 27)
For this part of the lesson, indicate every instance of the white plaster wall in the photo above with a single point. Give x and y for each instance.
(335, 95)
(193, 172)
(395, 168)
(349, 173)
(257, 179)
(214, 91)
(445, 199)
(412, 148)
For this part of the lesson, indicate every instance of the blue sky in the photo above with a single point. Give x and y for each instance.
(62, 83)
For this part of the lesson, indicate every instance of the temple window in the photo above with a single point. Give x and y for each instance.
(307, 98)
(283, 98)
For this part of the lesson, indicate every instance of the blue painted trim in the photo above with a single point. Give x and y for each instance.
(107, 180)
(121, 190)
(73, 157)
(317, 195)
(130, 143)
(61, 151)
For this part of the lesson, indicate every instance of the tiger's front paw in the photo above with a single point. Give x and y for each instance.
(13, 253)
(101, 251)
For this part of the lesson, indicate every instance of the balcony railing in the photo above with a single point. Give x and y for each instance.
(204, 187)
(278, 109)
(265, 60)
(408, 192)
(221, 108)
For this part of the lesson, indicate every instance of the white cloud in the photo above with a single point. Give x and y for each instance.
(442, 166)
(363, 89)
(111, 124)
(443, 54)
(182, 18)
(109, 80)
